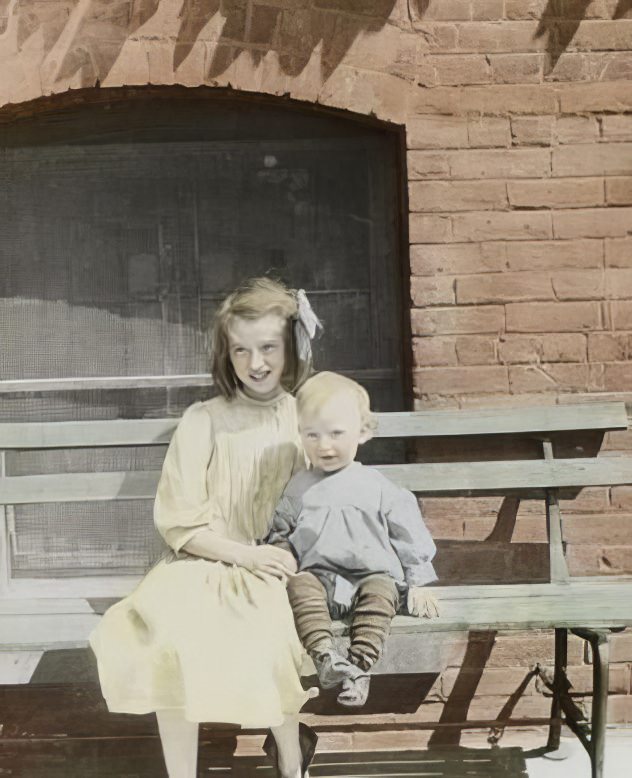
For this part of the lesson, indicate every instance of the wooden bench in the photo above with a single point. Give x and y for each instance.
(44, 617)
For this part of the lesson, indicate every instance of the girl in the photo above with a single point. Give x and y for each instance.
(359, 540)
(208, 634)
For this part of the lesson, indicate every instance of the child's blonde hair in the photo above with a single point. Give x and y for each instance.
(320, 388)
(254, 299)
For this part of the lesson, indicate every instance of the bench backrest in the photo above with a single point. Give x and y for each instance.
(528, 478)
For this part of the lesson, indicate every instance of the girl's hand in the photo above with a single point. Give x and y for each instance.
(421, 602)
(270, 560)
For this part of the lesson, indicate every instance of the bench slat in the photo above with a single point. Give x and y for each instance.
(497, 607)
(136, 432)
(525, 477)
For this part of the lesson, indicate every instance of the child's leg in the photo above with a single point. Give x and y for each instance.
(376, 603)
(179, 740)
(308, 599)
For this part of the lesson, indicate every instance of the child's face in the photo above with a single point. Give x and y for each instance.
(331, 435)
(257, 354)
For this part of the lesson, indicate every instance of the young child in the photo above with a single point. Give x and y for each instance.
(359, 540)
(208, 634)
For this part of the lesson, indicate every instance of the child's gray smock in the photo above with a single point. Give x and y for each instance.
(346, 525)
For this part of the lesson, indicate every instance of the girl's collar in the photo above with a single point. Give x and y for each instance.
(245, 398)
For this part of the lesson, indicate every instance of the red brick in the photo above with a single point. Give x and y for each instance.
(524, 9)
(619, 283)
(462, 508)
(614, 96)
(618, 440)
(457, 258)
(429, 229)
(563, 347)
(461, 69)
(487, 10)
(442, 196)
(488, 709)
(616, 128)
(489, 131)
(473, 350)
(432, 36)
(621, 647)
(594, 499)
(589, 530)
(617, 65)
(617, 377)
(506, 37)
(432, 291)
(582, 681)
(622, 315)
(579, 284)
(620, 709)
(621, 497)
(496, 225)
(601, 35)
(434, 351)
(515, 349)
(618, 252)
(525, 649)
(532, 130)
(458, 321)
(427, 164)
(448, 11)
(436, 132)
(501, 287)
(578, 129)
(592, 223)
(619, 191)
(492, 100)
(492, 681)
(517, 68)
(553, 317)
(556, 193)
(444, 529)
(461, 380)
(611, 159)
(605, 347)
(500, 163)
(550, 255)
(549, 377)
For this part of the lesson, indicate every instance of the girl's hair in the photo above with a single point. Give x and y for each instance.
(320, 388)
(254, 299)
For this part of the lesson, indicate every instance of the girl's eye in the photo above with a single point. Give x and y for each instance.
(268, 347)
(311, 436)
(239, 350)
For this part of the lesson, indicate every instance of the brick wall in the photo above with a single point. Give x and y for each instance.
(518, 117)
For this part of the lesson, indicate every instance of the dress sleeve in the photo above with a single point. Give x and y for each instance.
(183, 506)
(409, 535)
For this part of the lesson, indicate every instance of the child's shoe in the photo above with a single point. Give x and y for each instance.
(332, 668)
(355, 690)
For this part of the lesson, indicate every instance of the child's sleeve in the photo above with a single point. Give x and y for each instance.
(183, 506)
(409, 535)
(283, 523)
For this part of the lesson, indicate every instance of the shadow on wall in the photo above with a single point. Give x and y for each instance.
(84, 38)
(560, 21)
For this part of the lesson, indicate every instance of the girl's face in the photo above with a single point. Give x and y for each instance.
(332, 434)
(257, 354)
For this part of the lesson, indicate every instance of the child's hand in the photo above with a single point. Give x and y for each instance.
(421, 602)
(270, 560)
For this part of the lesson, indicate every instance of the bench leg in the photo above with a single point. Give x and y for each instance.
(600, 643)
(559, 687)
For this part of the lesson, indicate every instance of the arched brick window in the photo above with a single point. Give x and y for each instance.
(125, 221)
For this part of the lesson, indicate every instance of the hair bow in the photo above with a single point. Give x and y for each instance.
(309, 326)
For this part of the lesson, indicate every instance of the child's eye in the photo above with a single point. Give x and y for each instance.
(337, 433)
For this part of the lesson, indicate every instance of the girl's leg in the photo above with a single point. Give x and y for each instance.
(179, 740)
(289, 748)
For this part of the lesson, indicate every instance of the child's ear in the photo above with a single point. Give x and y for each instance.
(365, 434)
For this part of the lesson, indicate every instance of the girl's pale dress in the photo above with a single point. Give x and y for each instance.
(209, 638)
